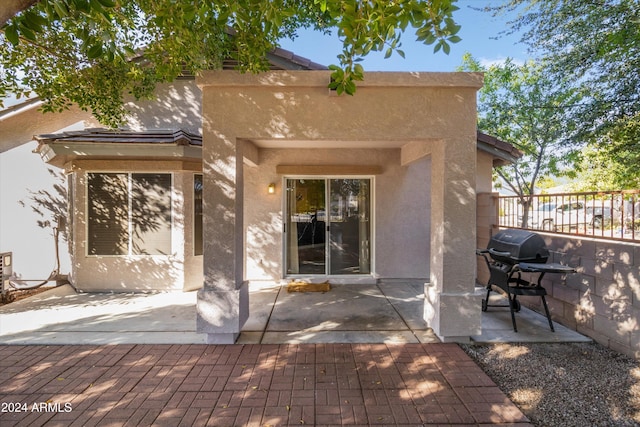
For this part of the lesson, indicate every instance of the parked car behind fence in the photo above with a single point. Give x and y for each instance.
(613, 215)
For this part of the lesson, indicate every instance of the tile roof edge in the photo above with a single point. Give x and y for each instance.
(499, 144)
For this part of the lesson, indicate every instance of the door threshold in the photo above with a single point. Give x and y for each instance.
(335, 280)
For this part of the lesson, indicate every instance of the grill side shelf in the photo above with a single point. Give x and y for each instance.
(528, 267)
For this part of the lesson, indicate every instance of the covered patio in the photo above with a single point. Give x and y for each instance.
(412, 136)
(389, 181)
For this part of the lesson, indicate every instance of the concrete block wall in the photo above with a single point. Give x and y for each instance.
(601, 300)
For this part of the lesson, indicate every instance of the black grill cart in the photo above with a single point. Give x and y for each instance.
(509, 254)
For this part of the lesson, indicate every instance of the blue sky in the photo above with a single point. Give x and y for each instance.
(479, 32)
(480, 35)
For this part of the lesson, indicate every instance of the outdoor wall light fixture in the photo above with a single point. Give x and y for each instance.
(271, 189)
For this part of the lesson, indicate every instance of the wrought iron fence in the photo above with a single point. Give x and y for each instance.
(610, 214)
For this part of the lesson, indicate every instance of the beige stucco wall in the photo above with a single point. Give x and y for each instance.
(176, 106)
(23, 173)
(19, 127)
(486, 215)
(393, 110)
(298, 106)
(401, 227)
(24, 176)
(484, 183)
(180, 270)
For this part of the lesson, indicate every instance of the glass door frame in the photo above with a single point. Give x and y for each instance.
(286, 231)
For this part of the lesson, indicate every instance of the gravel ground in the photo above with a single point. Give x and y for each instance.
(565, 384)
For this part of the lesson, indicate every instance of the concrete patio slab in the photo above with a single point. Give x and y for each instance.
(62, 316)
(362, 313)
(262, 299)
(532, 327)
(343, 308)
(337, 336)
(407, 299)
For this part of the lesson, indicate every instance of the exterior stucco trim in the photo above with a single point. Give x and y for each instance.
(120, 165)
(321, 78)
(327, 170)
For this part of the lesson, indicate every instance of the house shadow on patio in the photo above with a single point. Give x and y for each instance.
(381, 313)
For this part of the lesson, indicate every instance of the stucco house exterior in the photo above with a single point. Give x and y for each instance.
(231, 178)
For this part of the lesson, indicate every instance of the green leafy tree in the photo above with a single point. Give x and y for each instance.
(613, 164)
(523, 105)
(93, 52)
(597, 44)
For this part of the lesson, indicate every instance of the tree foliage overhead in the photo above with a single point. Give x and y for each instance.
(93, 52)
(613, 163)
(596, 43)
(528, 108)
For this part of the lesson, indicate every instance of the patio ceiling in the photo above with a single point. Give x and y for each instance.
(289, 143)
(502, 152)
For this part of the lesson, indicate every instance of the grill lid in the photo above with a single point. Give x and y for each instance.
(514, 246)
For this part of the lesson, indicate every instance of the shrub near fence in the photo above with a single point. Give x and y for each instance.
(611, 215)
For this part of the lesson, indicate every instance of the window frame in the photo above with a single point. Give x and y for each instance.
(195, 220)
(129, 174)
(372, 224)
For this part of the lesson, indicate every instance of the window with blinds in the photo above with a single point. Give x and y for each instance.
(197, 215)
(129, 213)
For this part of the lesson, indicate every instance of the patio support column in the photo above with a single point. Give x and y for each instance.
(223, 302)
(452, 308)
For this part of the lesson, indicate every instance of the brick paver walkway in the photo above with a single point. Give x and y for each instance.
(248, 385)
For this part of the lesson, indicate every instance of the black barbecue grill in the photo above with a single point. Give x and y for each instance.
(511, 253)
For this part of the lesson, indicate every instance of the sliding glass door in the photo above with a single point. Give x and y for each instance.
(349, 226)
(306, 226)
(321, 241)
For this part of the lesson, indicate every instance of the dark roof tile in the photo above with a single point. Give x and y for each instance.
(97, 135)
(499, 144)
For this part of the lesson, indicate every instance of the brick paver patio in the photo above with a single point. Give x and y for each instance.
(248, 385)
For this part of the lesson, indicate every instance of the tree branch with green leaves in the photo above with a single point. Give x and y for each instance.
(93, 53)
(525, 106)
(595, 43)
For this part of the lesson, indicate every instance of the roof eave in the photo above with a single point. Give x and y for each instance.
(500, 158)
(59, 153)
(502, 152)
